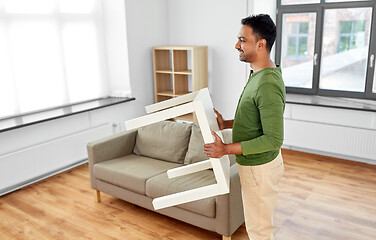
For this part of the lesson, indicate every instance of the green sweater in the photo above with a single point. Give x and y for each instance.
(258, 122)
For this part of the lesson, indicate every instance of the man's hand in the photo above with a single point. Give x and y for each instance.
(216, 149)
(221, 122)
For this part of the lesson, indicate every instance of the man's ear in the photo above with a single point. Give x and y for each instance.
(261, 43)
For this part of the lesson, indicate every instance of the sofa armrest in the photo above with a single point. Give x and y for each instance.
(112, 147)
(230, 206)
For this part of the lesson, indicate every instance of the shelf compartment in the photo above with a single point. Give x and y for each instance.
(180, 58)
(181, 84)
(162, 60)
(163, 82)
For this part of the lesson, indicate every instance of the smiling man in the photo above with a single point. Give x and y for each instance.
(257, 127)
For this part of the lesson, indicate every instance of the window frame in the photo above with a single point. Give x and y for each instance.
(306, 8)
(319, 9)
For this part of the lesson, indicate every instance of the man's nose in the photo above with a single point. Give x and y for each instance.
(237, 45)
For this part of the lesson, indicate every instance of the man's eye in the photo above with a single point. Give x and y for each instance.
(242, 41)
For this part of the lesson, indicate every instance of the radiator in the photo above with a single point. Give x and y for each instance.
(26, 166)
(342, 140)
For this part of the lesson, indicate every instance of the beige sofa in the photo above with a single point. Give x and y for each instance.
(132, 166)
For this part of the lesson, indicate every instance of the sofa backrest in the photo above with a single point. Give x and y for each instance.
(164, 140)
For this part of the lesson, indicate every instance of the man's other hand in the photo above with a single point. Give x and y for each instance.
(221, 122)
(216, 149)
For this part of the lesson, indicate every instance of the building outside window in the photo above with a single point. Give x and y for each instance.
(351, 35)
(297, 40)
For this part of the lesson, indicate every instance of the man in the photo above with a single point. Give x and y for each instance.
(257, 127)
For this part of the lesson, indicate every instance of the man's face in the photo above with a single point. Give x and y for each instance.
(247, 44)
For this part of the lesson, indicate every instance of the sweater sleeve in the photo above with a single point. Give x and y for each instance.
(270, 102)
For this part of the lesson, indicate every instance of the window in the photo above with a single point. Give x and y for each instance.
(327, 48)
(52, 53)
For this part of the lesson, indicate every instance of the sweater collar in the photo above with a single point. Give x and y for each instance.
(277, 68)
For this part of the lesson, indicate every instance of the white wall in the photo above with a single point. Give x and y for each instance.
(214, 23)
(267, 7)
(147, 26)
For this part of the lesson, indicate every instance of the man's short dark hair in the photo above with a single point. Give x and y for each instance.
(264, 28)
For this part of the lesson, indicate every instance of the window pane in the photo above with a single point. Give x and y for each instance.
(298, 40)
(292, 28)
(290, 2)
(303, 27)
(344, 44)
(345, 26)
(291, 46)
(345, 49)
(8, 123)
(76, 6)
(7, 87)
(359, 26)
(28, 6)
(82, 61)
(36, 64)
(303, 46)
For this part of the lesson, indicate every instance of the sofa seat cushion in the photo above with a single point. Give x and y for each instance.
(164, 140)
(131, 171)
(161, 185)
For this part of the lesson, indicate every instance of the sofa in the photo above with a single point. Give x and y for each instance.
(132, 166)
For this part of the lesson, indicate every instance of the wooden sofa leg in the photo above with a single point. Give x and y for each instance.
(226, 238)
(97, 196)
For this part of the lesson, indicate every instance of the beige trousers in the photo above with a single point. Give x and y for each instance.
(259, 186)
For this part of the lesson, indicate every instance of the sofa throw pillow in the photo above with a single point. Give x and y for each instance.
(164, 140)
(195, 151)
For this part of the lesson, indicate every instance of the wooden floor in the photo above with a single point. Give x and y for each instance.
(321, 198)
